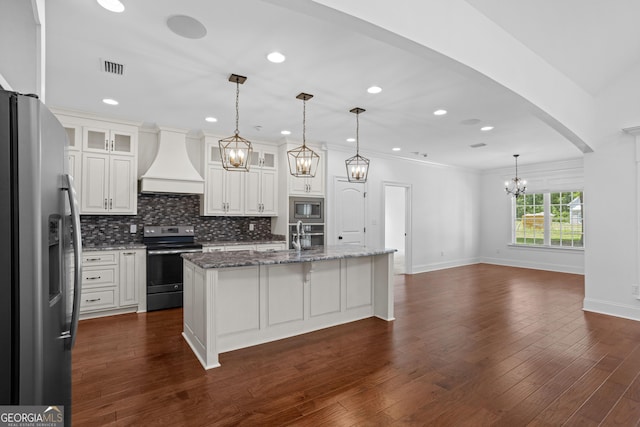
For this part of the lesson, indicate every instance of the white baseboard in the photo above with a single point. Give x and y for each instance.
(612, 308)
(425, 268)
(560, 268)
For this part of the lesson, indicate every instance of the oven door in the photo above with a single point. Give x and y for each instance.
(164, 278)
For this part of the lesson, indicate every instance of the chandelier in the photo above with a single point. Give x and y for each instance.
(235, 150)
(357, 166)
(517, 186)
(303, 161)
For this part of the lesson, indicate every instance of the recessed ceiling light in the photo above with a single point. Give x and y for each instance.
(396, 148)
(276, 57)
(110, 101)
(186, 26)
(486, 128)
(211, 119)
(440, 112)
(112, 5)
(285, 132)
(374, 89)
(351, 140)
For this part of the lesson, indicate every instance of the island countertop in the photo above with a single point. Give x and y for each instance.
(208, 260)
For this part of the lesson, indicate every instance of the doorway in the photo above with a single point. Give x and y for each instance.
(397, 224)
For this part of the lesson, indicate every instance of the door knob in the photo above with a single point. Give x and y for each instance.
(339, 237)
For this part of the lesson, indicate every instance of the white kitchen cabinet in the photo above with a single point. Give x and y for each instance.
(261, 185)
(207, 248)
(105, 140)
(102, 157)
(233, 248)
(223, 192)
(74, 154)
(234, 193)
(113, 282)
(268, 247)
(132, 275)
(109, 184)
(261, 192)
(99, 281)
(312, 186)
(263, 157)
(244, 247)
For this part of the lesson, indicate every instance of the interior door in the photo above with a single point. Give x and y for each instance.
(350, 212)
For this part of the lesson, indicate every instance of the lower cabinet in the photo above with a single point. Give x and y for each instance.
(112, 282)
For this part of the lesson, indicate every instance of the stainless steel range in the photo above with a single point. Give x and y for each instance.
(164, 263)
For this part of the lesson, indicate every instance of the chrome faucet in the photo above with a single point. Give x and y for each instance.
(297, 245)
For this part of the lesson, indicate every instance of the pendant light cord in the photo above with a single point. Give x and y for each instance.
(304, 121)
(358, 134)
(237, 102)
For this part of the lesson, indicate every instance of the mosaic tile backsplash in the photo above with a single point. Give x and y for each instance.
(171, 209)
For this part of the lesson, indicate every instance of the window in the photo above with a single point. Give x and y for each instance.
(549, 219)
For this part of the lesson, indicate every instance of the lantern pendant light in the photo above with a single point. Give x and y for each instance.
(235, 150)
(357, 166)
(303, 161)
(518, 186)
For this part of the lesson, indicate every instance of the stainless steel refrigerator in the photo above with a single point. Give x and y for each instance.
(40, 253)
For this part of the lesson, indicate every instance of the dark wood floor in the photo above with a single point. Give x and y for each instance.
(476, 345)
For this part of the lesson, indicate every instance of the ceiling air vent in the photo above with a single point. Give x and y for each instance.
(112, 67)
(478, 145)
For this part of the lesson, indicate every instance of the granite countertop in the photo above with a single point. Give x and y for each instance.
(113, 247)
(239, 242)
(246, 258)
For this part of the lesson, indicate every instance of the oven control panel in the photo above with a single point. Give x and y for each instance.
(168, 230)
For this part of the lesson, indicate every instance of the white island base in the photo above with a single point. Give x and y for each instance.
(227, 308)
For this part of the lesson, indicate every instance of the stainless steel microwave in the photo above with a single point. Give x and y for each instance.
(306, 209)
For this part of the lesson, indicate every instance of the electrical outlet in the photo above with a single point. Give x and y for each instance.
(251, 227)
(133, 229)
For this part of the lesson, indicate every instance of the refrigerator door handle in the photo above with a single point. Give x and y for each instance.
(77, 256)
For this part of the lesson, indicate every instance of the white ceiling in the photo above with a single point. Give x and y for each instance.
(592, 42)
(176, 82)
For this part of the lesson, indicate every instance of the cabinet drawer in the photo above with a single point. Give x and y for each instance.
(270, 247)
(232, 248)
(99, 258)
(213, 249)
(99, 277)
(98, 299)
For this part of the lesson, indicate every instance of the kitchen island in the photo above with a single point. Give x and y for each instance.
(238, 299)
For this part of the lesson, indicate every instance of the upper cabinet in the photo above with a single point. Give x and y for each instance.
(261, 183)
(253, 193)
(74, 155)
(106, 140)
(103, 160)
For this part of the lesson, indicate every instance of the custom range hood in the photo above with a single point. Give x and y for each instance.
(172, 171)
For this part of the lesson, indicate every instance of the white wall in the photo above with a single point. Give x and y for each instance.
(612, 258)
(19, 46)
(445, 208)
(495, 214)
